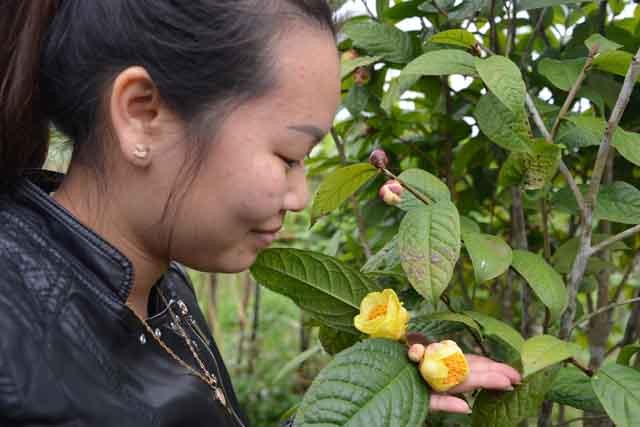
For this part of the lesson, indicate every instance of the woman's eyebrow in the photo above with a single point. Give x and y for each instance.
(315, 132)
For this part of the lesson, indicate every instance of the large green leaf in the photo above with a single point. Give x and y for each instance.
(533, 170)
(338, 186)
(430, 247)
(334, 341)
(509, 130)
(626, 353)
(619, 202)
(440, 63)
(370, 384)
(543, 279)
(543, 351)
(490, 255)
(347, 67)
(456, 37)
(573, 387)
(356, 99)
(385, 259)
(537, 4)
(498, 329)
(561, 73)
(427, 184)
(499, 409)
(504, 80)
(589, 131)
(382, 40)
(328, 289)
(618, 388)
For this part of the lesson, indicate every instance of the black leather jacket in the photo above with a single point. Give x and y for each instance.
(71, 352)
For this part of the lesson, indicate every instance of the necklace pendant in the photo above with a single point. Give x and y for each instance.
(218, 394)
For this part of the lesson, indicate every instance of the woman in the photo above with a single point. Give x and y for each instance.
(190, 122)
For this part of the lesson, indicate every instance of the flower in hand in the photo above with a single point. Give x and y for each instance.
(382, 316)
(482, 372)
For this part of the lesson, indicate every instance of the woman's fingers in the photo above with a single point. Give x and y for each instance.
(442, 402)
(487, 379)
(483, 364)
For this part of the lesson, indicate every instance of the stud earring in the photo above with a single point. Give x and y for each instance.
(141, 152)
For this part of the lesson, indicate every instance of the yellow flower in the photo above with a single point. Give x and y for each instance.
(444, 366)
(382, 316)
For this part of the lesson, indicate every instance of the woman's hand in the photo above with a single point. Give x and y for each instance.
(483, 373)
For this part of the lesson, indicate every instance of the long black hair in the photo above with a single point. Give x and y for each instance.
(59, 57)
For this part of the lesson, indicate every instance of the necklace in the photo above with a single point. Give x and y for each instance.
(206, 376)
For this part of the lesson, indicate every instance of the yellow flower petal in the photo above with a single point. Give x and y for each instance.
(382, 316)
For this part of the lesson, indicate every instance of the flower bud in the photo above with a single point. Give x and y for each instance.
(361, 76)
(416, 352)
(378, 158)
(444, 366)
(391, 192)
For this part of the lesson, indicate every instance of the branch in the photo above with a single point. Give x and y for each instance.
(366, 6)
(532, 39)
(564, 170)
(613, 239)
(580, 366)
(411, 190)
(438, 8)
(603, 309)
(574, 90)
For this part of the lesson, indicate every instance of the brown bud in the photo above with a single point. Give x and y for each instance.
(361, 76)
(416, 352)
(379, 159)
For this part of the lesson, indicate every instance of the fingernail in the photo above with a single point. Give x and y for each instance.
(469, 411)
(510, 388)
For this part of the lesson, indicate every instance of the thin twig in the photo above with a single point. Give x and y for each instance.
(438, 8)
(604, 309)
(574, 90)
(511, 35)
(613, 239)
(532, 39)
(369, 11)
(580, 366)
(564, 170)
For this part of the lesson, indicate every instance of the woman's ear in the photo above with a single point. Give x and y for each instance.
(135, 107)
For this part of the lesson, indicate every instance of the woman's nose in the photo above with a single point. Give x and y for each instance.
(297, 197)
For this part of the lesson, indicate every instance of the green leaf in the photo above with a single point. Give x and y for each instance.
(504, 80)
(385, 259)
(588, 131)
(328, 289)
(381, 40)
(338, 186)
(543, 351)
(371, 384)
(543, 279)
(490, 255)
(541, 165)
(538, 4)
(440, 63)
(499, 409)
(429, 247)
(356, 100)
(461, 38)
(295, 363)
(562, 74)
(498, 329)
(626, 353)
(604, 44)
(509, 130)
(618, 388)
(628, 145)
(425, 322)
(425, 183)
(619, 202)
(467, 225)
(614, 62)
(573, 387)
(348, 66)
(334, 341)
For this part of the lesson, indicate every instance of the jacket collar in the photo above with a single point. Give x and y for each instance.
(96, 254)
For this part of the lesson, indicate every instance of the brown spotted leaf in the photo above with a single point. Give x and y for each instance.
(429, 247)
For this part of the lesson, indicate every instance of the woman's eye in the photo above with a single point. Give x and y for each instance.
(291, 163)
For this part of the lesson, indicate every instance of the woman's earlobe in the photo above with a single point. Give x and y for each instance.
(141, 155)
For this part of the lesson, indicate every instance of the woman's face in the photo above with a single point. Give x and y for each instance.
(253, 173)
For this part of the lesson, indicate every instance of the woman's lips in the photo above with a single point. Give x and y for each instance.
(267, 237)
